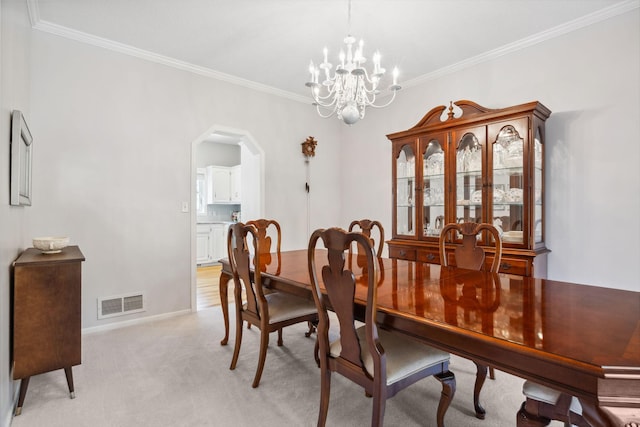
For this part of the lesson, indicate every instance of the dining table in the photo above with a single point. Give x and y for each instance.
(578, 339)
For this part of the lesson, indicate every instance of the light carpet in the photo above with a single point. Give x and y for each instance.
(174, 372)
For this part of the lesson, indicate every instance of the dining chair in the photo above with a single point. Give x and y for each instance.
(367, 226)
(544, 404)
(469, 255)
(380, 361)
(269, 312)
(268, 231)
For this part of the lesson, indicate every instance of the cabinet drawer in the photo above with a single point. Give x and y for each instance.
(432, 257)
(402, 253)
(517, 266)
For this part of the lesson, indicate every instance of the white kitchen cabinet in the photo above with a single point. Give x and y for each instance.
(211, 242)
(204, 245)
(236, 183)
(219, 241)
(219, 188)
(223, 184)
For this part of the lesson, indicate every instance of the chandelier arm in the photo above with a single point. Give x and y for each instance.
(387, 104)
(325, 104)
(366, 77)
(331, 113)
(322, 98)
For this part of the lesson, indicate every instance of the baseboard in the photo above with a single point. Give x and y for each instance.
(139, 321)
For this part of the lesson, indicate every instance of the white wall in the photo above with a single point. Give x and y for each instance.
(15, 222)
(589, 80)
(113, 164)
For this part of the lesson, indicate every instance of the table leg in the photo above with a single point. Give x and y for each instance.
(24, 384)
(224, 302)
(481, 376)
(69, 375)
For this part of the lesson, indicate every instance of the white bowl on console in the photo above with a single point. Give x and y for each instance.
(50, 245)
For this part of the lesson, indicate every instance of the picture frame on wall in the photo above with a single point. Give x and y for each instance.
(21, 160)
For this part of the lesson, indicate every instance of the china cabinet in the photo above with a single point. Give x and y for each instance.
(468, 163)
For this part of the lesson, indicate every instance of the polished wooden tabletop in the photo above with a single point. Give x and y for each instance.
(584, 340)
(589, 324)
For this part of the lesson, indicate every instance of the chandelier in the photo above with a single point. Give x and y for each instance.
(351, 88)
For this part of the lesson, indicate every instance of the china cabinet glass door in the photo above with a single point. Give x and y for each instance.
(469, 183)
(405, 190)
(508, 189)
(433, 184)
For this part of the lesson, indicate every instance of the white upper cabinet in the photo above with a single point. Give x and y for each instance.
(223, 184)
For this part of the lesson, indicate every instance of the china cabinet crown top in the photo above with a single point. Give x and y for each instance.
(471, 112)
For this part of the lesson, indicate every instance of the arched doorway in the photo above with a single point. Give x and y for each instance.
(252, 183)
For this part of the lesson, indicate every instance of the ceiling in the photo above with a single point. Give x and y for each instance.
(269, 43)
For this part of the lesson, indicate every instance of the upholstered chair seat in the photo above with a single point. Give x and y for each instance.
(405, 356)
(544, 404)
(283, 306)
(548, 395)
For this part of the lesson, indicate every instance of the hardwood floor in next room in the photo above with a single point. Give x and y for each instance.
(207, 286)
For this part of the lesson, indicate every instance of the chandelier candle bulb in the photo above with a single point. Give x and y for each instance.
(376, 62)
(359, 54)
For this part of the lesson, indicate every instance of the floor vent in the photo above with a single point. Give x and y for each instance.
(120, 305)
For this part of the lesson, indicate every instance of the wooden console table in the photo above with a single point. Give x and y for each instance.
(46, 315)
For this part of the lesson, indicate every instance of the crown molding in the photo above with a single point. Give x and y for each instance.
(576, 24)
(82, 37)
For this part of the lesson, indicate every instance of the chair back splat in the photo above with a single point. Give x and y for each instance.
(468, 254)
(382, 362)
(267, 230)
(367, 226)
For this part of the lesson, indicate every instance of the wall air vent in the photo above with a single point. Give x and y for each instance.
(120, 305)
